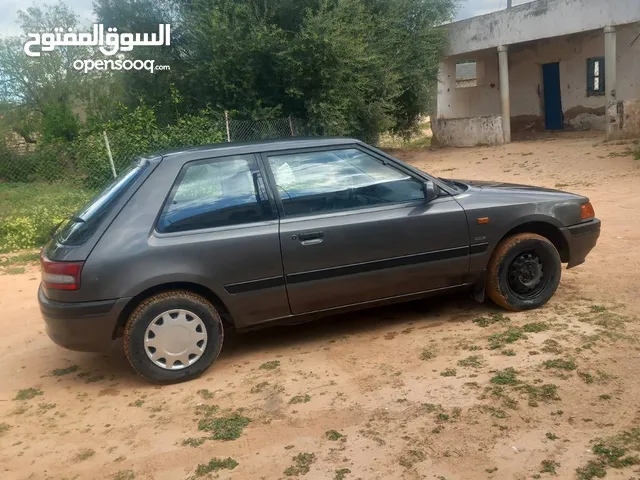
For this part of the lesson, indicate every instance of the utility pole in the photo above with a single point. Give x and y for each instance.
(509, 3)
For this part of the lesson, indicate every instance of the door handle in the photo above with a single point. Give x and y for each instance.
(311, 238)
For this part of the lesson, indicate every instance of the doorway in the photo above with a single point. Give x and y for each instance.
(553, 117)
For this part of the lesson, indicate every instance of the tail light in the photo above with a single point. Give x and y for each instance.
(60, 275)
(586, 211)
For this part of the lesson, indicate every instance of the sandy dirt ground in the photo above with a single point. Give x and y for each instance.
(437, 389)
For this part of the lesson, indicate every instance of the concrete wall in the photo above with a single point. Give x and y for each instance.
(581, 112)
(468, 132)
(483, 99)
(541, 19)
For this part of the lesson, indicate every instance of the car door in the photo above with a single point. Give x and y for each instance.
(355, 227)
(219, 228)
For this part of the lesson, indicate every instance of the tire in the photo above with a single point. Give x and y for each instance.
(505, 285)
(198, 327)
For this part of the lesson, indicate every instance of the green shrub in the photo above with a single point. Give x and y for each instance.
(28, 212)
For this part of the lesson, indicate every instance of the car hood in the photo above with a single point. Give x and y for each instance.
(505, 186)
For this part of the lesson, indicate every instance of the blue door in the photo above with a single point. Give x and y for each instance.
(553, 117)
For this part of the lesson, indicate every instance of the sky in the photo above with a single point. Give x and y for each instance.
(84, 8)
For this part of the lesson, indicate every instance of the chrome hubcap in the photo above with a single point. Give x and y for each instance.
(175, 339)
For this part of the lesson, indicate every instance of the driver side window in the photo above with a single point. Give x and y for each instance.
(335, 180)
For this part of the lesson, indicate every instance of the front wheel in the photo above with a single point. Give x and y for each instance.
(173, 336)
(524, 272)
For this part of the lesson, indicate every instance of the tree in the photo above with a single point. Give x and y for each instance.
(353, 67)
(45, 87)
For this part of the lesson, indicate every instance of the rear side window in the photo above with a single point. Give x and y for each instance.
(79, 228)
(335, 180)
(216, 193)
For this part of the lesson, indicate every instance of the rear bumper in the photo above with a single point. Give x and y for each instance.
(581, 239)
(82, 326)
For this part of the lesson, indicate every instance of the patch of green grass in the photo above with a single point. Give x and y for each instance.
(551, 346)
(193, 442)
(560, 364)
(229, 427)
(301, 465)
(543, 393)
(549, 466)
(137, 403)
(124, 475)
(333, 435)
(509, 353)
(618, 451)
(214, 465)
(341, 473)
(551, 436)
(207, 410)
(46, 406)
(411, 458)
(28, 393)
(442, 417)
(431, 407)
(586, 377)
(491, 319)
(59, 372)
(505, 377)
(591, 470)
(84, 454)
(300, 399)
(474, 361)
(448, 372)
(495, 412)
(270, 365)
(509, 402)
(4, 427)
(605, 397)
(427, 354)
(499, 340)
(204, 393)
(536, 327)
(259, 387)
(597, 308)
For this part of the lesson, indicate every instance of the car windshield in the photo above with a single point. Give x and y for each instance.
(79, 227)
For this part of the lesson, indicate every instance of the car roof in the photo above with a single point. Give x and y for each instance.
(234, 148)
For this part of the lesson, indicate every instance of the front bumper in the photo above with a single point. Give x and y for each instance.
(581, 239)
(81, 326)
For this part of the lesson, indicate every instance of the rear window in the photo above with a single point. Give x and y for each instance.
(78, 228)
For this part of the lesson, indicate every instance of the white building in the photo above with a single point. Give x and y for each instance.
(544, 65)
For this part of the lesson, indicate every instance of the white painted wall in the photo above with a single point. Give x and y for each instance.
(525, 78)
(541, 19)
(469, 132)
(483, 99)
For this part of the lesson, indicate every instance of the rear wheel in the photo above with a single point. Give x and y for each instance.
(173, 336)
(524, 272)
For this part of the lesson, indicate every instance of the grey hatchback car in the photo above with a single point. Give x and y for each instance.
(188, 243)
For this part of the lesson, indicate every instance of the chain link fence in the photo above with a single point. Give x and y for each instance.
(43, 181)
(94, 159)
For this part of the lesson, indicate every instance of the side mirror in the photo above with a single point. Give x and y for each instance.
(430, 190)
